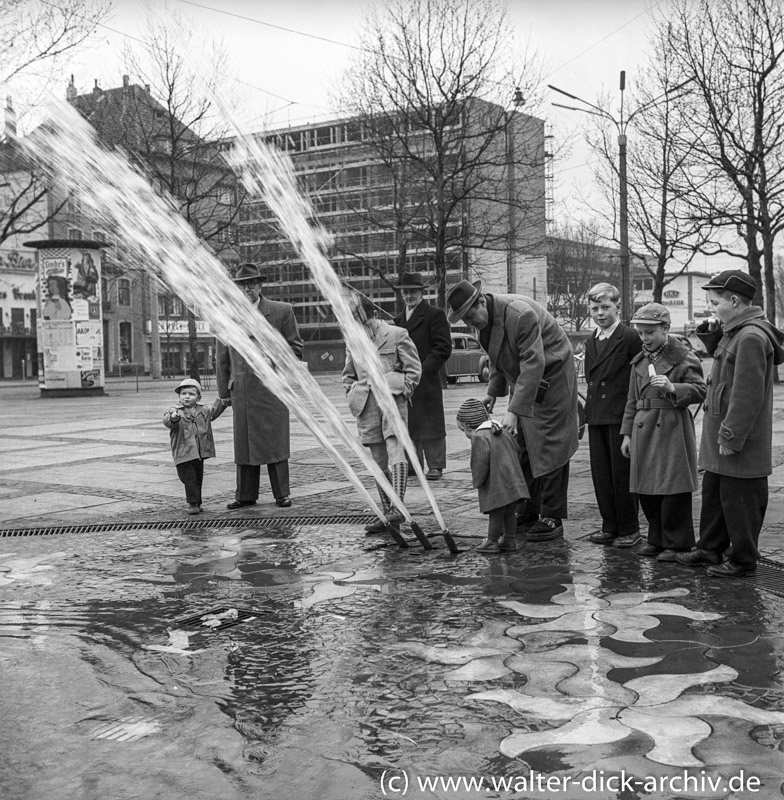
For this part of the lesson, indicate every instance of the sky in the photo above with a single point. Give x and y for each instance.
(288, 56)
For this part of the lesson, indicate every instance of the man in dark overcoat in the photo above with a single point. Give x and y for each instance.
(261, 420)
(428, 328)
(531, 358)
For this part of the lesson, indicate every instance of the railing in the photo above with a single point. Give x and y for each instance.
(15, 329)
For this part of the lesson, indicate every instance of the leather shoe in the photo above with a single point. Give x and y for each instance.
(283, 502)
(667, 555)
(544, 530)
(729, 569)
(600, 537)
(525, 523)
(648, 550)
(434, 474)
(241, 504)
(698, 557)
(629, 540)
(508, 544)
(488, 546)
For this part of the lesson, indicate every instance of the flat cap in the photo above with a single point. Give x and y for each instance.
(733, 280)
(651, 314)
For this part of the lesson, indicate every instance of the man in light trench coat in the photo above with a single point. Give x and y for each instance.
(261, 420)
(531, 358)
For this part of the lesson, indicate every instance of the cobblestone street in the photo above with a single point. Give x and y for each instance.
(153, 657)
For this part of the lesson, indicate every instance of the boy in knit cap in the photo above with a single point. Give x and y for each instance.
(190, 424)
(496, 473)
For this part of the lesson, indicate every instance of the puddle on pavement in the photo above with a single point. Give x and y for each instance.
(559, 659)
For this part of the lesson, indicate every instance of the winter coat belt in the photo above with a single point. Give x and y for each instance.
(645, 403)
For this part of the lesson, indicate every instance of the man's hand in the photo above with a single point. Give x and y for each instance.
(510, 422)
(226, 401)
(489, 403)
(626, 446)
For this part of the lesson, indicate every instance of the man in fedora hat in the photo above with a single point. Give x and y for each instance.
(737, 429)
(428, 328)
(532, 359)
(261, 420)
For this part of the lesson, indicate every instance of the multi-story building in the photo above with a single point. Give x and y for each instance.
(378, 228)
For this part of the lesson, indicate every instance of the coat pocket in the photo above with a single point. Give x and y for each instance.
(716, 397)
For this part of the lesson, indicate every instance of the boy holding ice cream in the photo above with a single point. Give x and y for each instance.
(658, 433)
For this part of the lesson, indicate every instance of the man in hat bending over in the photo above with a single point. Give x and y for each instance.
(735, 451)
(429, 331)
(532, 358)
(261, 420)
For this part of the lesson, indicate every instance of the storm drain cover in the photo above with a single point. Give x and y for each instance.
(217, 619)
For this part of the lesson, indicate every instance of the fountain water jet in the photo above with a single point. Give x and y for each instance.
(151, 226)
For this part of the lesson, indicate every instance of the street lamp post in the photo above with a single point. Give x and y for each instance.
(623, 189)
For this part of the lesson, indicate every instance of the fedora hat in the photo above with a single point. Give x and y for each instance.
(248, 272)
(410, 280)
(461, 297)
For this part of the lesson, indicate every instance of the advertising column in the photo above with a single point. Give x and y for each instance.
(70, 322)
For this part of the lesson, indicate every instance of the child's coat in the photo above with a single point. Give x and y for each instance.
(191, 437)
(495, 467)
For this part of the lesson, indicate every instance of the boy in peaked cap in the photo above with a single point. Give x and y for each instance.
(190, 424)
(658, 433)
(735, 451)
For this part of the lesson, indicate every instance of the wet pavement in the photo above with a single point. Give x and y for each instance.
(154, 656)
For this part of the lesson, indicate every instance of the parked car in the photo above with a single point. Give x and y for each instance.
(689, 345)
(468, 359)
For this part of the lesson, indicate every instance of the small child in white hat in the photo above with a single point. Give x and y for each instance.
(496, 473)
(190, 426)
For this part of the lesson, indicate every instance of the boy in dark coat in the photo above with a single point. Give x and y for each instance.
(658, 433)
(735, 451)
(608, 355)
(429, 331)
(496, 473)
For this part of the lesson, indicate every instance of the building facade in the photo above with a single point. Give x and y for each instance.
(377, 225)
(686, 301)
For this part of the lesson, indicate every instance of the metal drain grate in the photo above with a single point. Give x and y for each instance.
(233, 522)
(769, 576)
(217, 619)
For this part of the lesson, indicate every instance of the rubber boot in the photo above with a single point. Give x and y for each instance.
(380, 525)
(399, 482)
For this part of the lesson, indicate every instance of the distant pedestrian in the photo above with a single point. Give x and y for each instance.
(608, 355)
(429, 330)
(402, 369)
(658, 433)
(495, 472)
(190, 426)
(737, 428)
(260, 419)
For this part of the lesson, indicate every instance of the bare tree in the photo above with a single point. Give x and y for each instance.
(36, 34)
(575, 262)
(33, 38)
(731, 51)
(663, 233)
(458, 169)
(169, 127)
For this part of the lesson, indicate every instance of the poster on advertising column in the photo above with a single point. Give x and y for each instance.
(70, 326)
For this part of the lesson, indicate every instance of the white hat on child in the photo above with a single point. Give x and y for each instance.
(190, 383)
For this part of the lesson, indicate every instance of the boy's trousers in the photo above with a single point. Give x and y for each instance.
(669, 520)
(733, 510)
(191, 473)
(610, 472)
